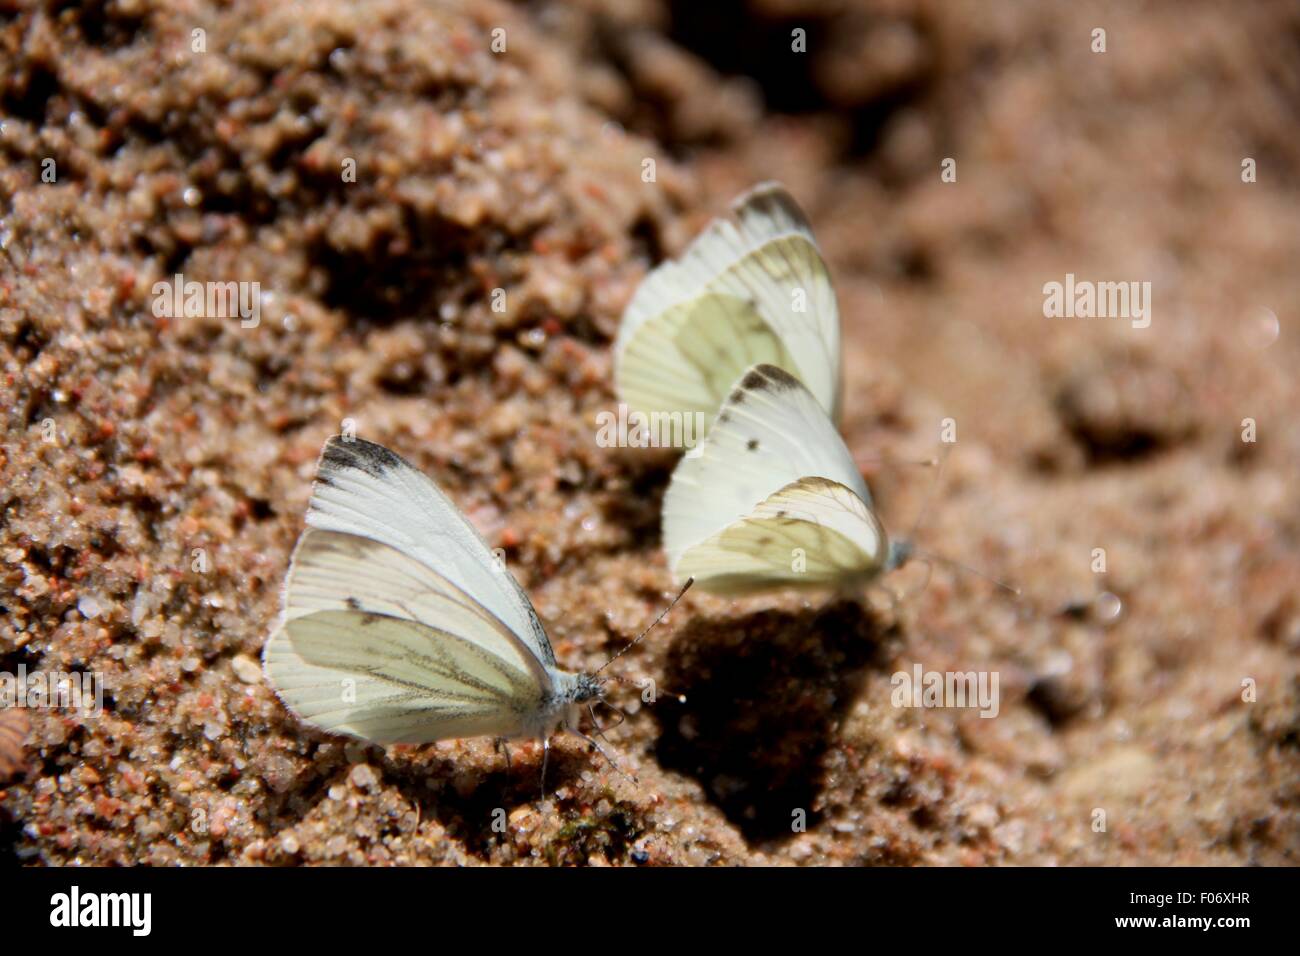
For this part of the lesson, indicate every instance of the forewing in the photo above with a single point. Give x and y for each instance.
(333, 571)
(769, 433)
(767, 266)
(689, 357)
(366, 490)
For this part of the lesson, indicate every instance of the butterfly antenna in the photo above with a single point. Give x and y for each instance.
(935, 487)
(926, 555)
(640, 685)
(882, 458)
(662, 614)
(929, 556)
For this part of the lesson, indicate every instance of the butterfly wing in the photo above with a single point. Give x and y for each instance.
(771, 459)
(812, 533)
(398, 624)
(389, 680)
(753, 290)
(366, 490)
(693, 352)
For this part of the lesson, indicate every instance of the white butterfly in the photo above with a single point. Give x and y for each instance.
(399, 625)
(772, 498)
(743, 293)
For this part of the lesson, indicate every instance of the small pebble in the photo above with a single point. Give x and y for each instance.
(246, 669)
(89, 606)
(363, 777)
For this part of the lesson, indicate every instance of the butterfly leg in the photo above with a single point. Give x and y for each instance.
(546, 755)
(609, 760)
(894, 597)
(898, 597)
(600, 731)
(622, 717)
(500, 746)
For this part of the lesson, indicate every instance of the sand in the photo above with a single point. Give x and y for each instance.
(155, 470)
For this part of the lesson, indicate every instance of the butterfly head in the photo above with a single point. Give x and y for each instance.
(900, 552)
(588, 688)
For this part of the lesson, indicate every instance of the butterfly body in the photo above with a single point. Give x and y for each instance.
(561, 708)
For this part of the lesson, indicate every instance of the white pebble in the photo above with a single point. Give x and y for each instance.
(89, 606)
(246, 669)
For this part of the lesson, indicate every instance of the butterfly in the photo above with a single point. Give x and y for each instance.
(752, 291)
(401, 626)
(772, 498)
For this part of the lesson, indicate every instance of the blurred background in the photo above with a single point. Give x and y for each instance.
(508, 146)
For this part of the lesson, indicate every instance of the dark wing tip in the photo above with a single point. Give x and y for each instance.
(819, 483)
(769, 190)
(770, 194)
(769, 378)
(342, 452)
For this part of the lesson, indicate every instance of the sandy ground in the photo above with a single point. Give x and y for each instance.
(1121, 692)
